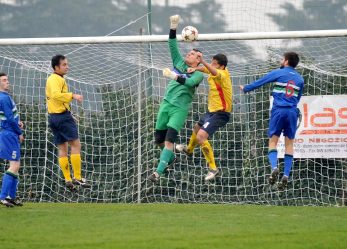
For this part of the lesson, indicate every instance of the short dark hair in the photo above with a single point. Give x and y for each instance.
(56, 60)
(2, 74)
(221, 59)
(197, 50)
(293, 58)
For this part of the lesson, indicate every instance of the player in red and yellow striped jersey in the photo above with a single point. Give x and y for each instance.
(219, 108)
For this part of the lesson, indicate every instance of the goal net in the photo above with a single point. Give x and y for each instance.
(122, 85)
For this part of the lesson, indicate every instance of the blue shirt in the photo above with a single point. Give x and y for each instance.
(288, 86)
(9, 117)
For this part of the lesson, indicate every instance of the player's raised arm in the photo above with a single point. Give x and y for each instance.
(194, 80)
(207, 67)
(270, 77)
(175, 53)
(199, 68)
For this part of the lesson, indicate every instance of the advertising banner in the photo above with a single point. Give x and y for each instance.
(322, 131)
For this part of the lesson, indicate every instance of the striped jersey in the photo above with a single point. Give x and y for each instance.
(9, 116)
(287, 89)
(220, 92)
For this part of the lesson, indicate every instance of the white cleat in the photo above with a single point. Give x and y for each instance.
(211, 174)
(183, 149)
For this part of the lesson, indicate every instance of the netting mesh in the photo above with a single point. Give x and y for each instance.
(122, 85)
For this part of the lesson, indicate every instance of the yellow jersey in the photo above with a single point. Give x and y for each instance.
(220, 93)
(58, 96)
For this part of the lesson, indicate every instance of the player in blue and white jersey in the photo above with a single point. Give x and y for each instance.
(287, 91)
(10, 138)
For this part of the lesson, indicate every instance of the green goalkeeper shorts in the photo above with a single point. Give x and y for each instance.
(170, 116)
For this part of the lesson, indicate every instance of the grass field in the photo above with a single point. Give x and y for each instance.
(53, 225)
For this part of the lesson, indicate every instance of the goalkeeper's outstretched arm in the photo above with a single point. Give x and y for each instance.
(174, 52)
(194, 80)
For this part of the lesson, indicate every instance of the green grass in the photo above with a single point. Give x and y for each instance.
(53, 225)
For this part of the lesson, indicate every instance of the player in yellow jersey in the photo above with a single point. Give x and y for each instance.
(219, 108)
(62, 123)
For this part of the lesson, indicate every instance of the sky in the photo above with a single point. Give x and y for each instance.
(244, 15)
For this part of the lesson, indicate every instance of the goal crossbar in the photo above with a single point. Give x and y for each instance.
(162, 38)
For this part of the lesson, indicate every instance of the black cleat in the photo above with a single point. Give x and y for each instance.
(83, 183)
(69, 185)
(273, 176)
(154, 177)
(15, 202)
(6, 203)
(170, 165)
(172, 162)
(282, 185)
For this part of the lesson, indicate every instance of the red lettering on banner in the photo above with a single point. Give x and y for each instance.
(343, 116)
(328, 113)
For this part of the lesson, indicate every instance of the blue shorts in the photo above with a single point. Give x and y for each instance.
(9, 146)
(212, 121)
(283, 119)
(63, 126)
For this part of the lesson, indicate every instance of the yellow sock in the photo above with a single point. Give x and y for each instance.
(64, 165)
(208, 153)
(192, 143)
(76, 165)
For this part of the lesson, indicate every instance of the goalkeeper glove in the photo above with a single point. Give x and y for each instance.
(174, 20)
(169, 74)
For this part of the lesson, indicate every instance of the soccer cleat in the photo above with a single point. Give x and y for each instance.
(183, 149)
(273, 176)
(69, 185)
(15, 202)
(83, 183)
(154, 177)
(211, 174)
(170, 164)
(6, 203)
(282, 185)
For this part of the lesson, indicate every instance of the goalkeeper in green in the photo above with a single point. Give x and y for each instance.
(174, 108)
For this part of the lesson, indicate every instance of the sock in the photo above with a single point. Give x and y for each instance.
(273, 158)
(172, 158)
(288, 162)
(165, 157)
(193, 142)
(7, 180)
(208, 153)
(13, 190)
(76, 165)
(64, 165)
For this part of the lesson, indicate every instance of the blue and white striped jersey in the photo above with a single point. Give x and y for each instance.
(9, 117)
(288, 86)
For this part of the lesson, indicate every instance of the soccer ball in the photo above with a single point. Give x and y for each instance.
(189, 34)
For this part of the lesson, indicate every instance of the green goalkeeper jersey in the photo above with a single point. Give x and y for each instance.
(177, 94)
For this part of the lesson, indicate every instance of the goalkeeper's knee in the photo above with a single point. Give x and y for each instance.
(171, 135)
(159, 136)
